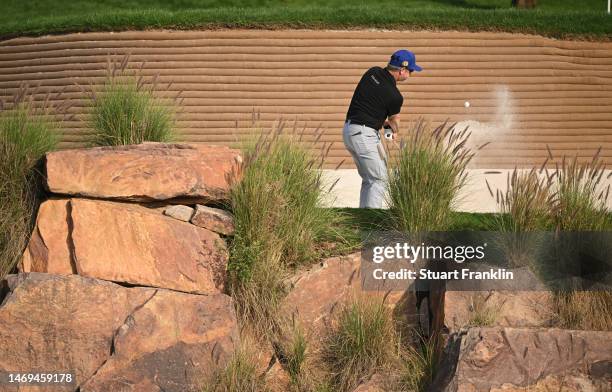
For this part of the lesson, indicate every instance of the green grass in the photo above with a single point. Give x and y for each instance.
(426, 177)
(26, 134)
(417, 365)
(551, 18)
(527, 203)
(365, 339)
(371, 219)
(238, 375)
(362, 342)
(276, 205)
(568, 199)
(294, 351)
(276, 199)
(581, 204)
(125, 109)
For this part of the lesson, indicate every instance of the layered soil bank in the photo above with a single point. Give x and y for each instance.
(524, 91)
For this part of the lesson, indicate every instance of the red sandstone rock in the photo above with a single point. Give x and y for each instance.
(517, 359)
(278, 379)
(48, 249)
(143, 172)
(128, 243)
(171, 344)
(114, 338)
(62, 323)
(320, 292)
(496, 308)
(214, 219)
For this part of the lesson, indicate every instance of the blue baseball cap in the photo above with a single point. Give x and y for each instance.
(404, 58)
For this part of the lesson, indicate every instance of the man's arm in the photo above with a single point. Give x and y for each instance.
(393, 122)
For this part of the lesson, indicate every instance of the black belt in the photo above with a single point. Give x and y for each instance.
(358, 123)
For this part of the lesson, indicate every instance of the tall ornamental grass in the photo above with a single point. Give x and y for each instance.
(127, 108)
(276, 200)
(526, 204)
(570, 198)
(582, 206)
(524, 212)
(589, 310)
(362, 342)
(581, 201)
(364, 339)
(416, 366)
(27, 132)
(426, 177)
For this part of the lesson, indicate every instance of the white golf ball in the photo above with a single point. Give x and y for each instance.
(466, 104)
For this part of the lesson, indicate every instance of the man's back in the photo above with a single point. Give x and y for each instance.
(376, 97)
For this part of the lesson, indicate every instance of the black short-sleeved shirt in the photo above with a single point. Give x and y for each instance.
(376, 97)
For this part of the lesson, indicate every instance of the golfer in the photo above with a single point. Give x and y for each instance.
(376, 103)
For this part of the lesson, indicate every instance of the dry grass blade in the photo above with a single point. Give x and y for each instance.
(333, 185)
(124, 62)
(483, 145)
(543, 165)
(582, 206)
(489, 188)
(360, 343)
(550, 155)
(339, 165)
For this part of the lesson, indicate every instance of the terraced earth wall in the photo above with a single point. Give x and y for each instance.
(525, 92)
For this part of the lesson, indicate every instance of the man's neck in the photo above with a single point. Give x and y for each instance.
(394, 75)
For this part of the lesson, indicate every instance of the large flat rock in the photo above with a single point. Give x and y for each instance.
(126, 243)
(143, 172)
(517, 359)
(114, 338)
(497, 308)
(318, 294)
(172, 343)
(60, 323)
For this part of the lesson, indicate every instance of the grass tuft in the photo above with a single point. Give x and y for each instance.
(588, 310)
(570, 199)
(417, 364)
(481, 313)
(581, 204)
(295, 352)
(125, 109)
(297, 355)
(26, 134)
(426, 177)
(361, 343)
(276, 199)
(526, 204)
(239, 374)
(258, 297)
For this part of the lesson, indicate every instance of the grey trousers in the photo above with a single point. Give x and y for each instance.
(364, 145)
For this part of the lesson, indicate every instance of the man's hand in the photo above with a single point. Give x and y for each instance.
(393, 122)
